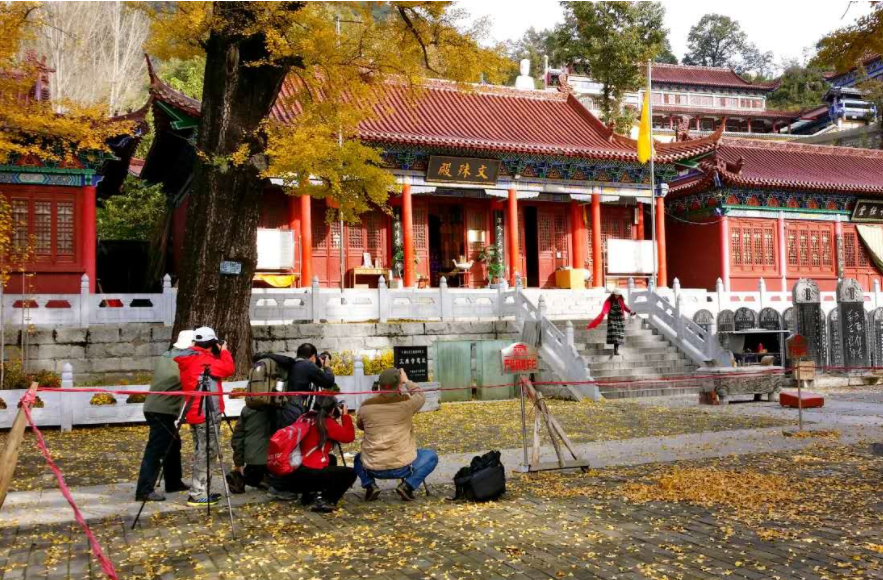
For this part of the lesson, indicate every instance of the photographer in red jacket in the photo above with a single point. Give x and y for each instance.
(207, 351)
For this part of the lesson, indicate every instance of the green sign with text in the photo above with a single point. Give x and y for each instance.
(463, 170)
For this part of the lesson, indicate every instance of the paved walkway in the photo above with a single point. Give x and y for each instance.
(857, 422)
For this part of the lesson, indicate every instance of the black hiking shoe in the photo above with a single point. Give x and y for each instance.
(372, 492)
(323, 507)
(152, 496)
(405, 491)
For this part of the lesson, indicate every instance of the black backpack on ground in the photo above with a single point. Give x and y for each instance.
(483, 480)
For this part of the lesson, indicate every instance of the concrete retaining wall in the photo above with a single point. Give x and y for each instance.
(115, 352)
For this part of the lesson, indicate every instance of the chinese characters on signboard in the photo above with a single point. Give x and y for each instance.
(463, 170)
(519, 358)
(415, 361)
(868, 210)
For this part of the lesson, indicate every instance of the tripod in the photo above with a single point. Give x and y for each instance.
(211, 412)
(162, 467)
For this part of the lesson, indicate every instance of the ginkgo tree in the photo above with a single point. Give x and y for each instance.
(30, 127)
(335, 61)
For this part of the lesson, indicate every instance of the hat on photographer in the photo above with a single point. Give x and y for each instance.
(389, 379)
(204, 334)
(185, 340)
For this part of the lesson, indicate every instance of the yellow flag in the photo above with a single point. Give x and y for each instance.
(645, 132)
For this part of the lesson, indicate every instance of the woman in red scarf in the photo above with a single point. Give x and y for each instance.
(614, 309)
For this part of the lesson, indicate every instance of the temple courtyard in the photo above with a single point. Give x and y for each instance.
(676, 491)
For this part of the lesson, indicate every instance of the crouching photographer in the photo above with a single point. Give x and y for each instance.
(318, 473)
(250, 440)
(309, 371)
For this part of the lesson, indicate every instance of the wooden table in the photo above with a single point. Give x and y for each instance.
(363, 271)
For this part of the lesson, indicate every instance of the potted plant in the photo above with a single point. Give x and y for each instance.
(493, 259)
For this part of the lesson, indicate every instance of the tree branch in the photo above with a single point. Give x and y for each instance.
(410, 24)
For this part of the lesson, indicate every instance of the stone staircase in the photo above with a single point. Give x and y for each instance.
(645, 356)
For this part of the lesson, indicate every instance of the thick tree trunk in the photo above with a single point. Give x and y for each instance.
(225, 200)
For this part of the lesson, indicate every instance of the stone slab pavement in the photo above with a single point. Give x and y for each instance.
(48, 506)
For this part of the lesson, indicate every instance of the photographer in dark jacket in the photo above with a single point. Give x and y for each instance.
(309, 371)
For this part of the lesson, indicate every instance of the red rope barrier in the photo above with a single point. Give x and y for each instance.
(106, 564)
(600, 382)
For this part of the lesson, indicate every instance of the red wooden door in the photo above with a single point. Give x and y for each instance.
(369, 237)
(552, 243)
(326, 247)
(477, 238)
(421, 236)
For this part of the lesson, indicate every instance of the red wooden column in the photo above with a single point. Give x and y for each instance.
(662, 272)
(408, 235)
(578, 227)
(783, 251)
(292, 208)
(725, 252)
(597, 250)
(306, 240)
(640, 225)
(512, 234)
(90, 241)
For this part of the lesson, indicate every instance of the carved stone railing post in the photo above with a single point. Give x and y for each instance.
(679, 321)
(630, 289)
(519, 311)
(66, 403)
(168, 301)
(719, 289)
(568, 332)
(542, 309)
(876, 294)
(316, 302)
(676, 288)
(85, 302)
(382, 300)
(445, 304)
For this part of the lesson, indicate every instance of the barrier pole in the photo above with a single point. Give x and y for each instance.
(10, 453)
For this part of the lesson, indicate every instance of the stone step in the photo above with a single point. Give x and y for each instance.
(645, 348)
(642, 372)
(628, 355)
(636, 364)
(648, 390)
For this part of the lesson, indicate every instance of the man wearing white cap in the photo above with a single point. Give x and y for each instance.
(161, 411)
(207, 351)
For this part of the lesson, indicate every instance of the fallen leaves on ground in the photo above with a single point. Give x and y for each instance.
(112, 454)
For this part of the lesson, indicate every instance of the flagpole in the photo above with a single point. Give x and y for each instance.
(649, 97)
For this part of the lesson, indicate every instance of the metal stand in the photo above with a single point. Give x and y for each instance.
(162, 466)
(211, 412)
(556, 434)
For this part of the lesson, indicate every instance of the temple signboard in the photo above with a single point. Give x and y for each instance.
(442, 169)
(868, 211)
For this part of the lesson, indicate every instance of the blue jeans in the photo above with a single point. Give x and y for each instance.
(414, 473)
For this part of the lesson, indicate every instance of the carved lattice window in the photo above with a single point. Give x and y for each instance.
(374, 232)
(746, 246)
(759, 254)
(335, 235)
(43, 227)
(737, 247)
(815, 258)
(521, 233)
(792, 249)
(64, 228)
(769, 248)
(826, 248)
(420, 218)
(319, 227)
(849, 250)
(804, 249)
(356, 237)
(20, 221)
(561, 233)
(544, 231)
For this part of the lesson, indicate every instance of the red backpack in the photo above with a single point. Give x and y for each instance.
(283, 452)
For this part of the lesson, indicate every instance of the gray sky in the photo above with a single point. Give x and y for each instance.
(785, 27)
